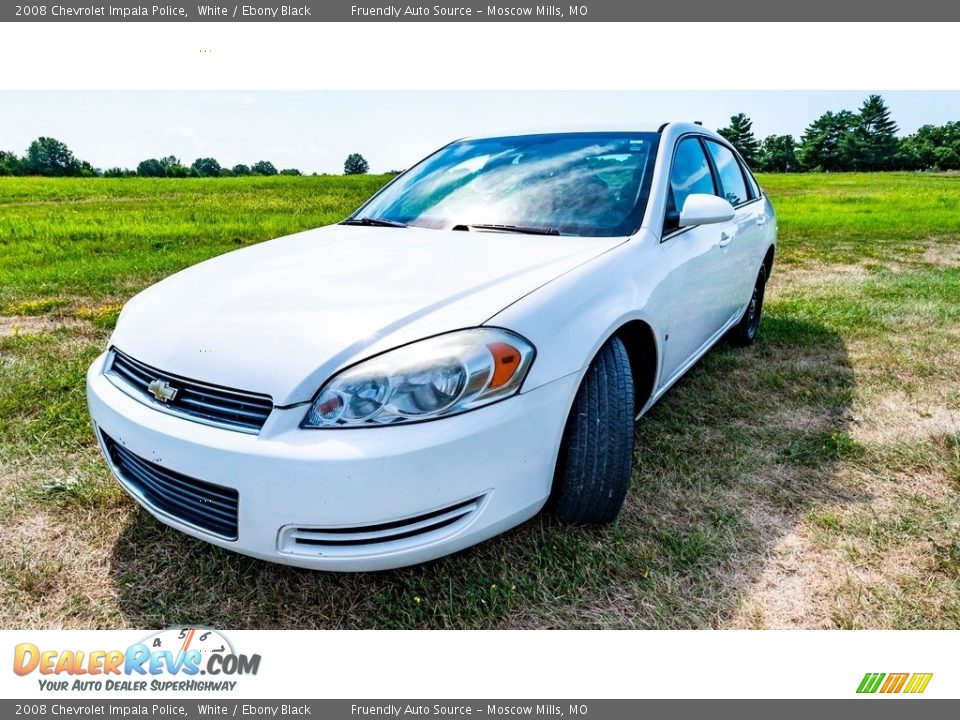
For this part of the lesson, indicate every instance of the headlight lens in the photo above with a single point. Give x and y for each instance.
(432, 378)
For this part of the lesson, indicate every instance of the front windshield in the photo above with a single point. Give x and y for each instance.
(571, 184)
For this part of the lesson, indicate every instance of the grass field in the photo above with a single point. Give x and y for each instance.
(812, 480)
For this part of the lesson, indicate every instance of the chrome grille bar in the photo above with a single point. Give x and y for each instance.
(197, 401)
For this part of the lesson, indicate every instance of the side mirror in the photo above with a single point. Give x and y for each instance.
(703, 209)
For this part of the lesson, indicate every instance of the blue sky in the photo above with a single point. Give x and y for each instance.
(315, 131)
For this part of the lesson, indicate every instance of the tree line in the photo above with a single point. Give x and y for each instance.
(50, 157)
(844, 141)
(171, 167)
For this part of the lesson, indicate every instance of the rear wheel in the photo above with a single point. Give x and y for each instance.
(596, 454)
(745, 331)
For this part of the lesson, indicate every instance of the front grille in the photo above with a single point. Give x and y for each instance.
(331, 540)
(233, 409)
(205, 506)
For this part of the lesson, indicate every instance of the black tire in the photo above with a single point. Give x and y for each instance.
(596, 454)
(745, 331)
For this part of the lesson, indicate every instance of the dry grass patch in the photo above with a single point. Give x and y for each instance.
(54, 572)
(863, 562)
(942, 254)
(883, 558)
(792, 279)
(34, 324)
(897, 416)
(792, 590)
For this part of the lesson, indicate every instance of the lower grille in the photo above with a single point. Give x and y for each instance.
(205, 506)
(332, 539)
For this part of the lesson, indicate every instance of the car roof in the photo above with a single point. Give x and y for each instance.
(624, 127)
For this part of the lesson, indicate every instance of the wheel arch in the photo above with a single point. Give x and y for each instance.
(641, 343)
(768, 260)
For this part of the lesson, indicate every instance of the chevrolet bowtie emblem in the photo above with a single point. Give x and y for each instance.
(162, 390)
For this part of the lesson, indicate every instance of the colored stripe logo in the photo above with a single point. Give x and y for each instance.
(913, 683)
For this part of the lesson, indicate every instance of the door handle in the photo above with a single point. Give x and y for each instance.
(725, 239)
(762, 220)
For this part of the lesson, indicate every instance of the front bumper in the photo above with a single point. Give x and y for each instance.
(351, 499)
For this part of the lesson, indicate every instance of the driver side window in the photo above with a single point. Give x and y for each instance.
(690, 174)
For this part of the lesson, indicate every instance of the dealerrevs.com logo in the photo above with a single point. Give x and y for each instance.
(909, 683)
(172, 659)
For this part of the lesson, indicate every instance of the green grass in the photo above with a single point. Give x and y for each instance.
(827, 452)
(63, 241)
(857, 217)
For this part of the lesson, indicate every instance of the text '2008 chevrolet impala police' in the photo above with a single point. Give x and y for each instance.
(471, 345)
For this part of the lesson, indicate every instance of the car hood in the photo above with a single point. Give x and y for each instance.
(282, 316)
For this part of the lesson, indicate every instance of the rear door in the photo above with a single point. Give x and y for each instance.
(699, 278)
(742, 247)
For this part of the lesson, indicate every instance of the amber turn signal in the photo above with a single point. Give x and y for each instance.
(506, 360)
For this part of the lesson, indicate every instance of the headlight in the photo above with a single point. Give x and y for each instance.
(432, 378)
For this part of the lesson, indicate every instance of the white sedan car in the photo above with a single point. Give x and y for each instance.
(474, 343)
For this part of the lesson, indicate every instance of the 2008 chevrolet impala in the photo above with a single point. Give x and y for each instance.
(474, 343)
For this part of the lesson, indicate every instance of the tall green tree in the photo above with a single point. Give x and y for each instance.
(355, 164)
(263, 167)
(85, 169)
(48, 156)
(10, 164)
(150, 168)
(828, 142)
(933, 147)
(205, 167)
(739, 133)
(778, 153)
(877, 144)
(172, 167)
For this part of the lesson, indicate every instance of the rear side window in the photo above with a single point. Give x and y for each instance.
(751, 182)
(690, 174)
(732, 182)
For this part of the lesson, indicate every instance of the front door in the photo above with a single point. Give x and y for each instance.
(699, 280)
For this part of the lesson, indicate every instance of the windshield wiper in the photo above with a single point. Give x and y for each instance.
(526, 230)
(373, 222)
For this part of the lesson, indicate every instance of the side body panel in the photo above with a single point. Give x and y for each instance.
(569, 319)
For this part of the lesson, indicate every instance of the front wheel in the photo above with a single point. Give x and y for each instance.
(596, 454)
(745, 331)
